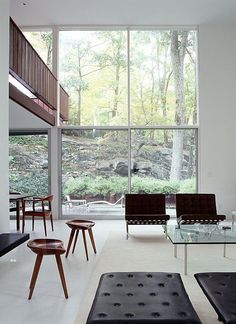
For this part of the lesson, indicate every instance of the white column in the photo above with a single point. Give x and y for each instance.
(54, 154)
(4, 113)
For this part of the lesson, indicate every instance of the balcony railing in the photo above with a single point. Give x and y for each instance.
(29, 69)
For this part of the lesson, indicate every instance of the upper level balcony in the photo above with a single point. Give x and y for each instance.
(31, 82)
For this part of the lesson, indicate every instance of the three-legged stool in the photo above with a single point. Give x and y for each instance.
(76, 225)
(47, 247)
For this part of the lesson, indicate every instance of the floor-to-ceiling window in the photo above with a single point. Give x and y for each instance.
(133, 115)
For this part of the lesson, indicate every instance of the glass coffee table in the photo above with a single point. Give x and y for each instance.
(200, 234)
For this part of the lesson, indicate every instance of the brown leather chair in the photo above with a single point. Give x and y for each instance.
(197, 208)
(145, 209)
(38, 207)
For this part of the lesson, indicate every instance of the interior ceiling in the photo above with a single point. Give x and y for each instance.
(21, 118)
(122, 12)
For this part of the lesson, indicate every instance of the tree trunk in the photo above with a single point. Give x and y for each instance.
(178, 51)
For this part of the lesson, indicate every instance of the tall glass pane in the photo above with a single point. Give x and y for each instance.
(163, 161)
(93, 70)
(94, 171)
(28, 164)
(163, 77)
(42, 43)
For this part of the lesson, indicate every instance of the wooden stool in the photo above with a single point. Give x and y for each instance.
(46, 247)
(84, 225)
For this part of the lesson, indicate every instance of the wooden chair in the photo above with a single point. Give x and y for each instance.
(197, 208)
(39, 207)
(47, 247)
(145, 209)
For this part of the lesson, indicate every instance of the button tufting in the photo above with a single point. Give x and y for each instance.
(169, 276)
(111, 276)
(152, 294)
(140, 285)
(130, 294)
(161, 285)
(106, 294)
(130, 275)
(102, 315)
(175, 293)
(149, 275)
(129, 315)
(119, 285)
(166, 304)
(141, 304)
(182, 314)
(117, 304)
(156, 314)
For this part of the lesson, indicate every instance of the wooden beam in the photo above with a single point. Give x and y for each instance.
(17, 96)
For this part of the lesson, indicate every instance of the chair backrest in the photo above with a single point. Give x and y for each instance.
(46, 202)
(195, 204)
(144, 204)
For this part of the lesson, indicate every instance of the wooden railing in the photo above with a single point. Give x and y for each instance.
(64, 104)
(30, 70)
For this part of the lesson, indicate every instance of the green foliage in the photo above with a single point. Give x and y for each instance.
(29, 140)
(188, 186)
(80, 187)
(35, 183)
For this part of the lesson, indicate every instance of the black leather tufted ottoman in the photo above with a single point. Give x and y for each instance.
(220, 289)
(141, 298)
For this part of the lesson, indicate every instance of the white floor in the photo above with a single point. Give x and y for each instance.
(48, 304)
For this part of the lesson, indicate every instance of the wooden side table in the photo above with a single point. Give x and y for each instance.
(76, 225)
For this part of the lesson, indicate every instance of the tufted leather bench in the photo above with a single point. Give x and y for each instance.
(141, 298)
(220, 289)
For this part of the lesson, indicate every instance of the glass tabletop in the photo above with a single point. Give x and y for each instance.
(201, 234)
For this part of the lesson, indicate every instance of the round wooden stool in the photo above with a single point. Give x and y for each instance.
(47, 247)
(76, 225)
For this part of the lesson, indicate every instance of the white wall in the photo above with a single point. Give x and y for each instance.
(4, 67)
(217, 115)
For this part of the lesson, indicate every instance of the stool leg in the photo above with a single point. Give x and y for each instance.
(92, 239)
(76, 236)
(32, 223)
(85, 244)
(35, 274)
(44, 224)
(70, 241)
(51, 222)
(61, 272)
(23, 222)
